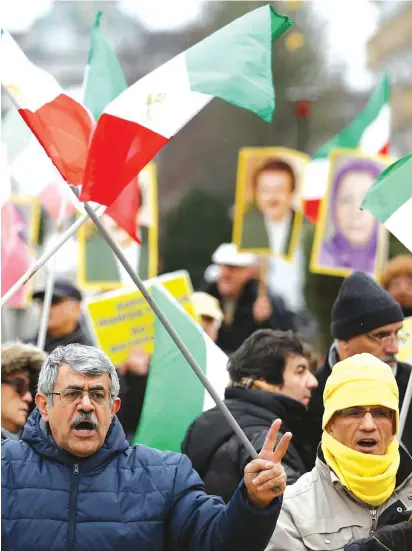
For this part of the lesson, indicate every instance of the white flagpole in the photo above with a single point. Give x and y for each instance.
(48, 294)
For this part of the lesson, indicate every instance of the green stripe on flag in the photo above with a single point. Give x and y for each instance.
(235, 61)
(104, 75)
(390, 191)
(350, 137)
(174, 394)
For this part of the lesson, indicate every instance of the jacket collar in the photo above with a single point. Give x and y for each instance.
(37, 434)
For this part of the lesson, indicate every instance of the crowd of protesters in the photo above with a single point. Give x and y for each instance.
(335, 474)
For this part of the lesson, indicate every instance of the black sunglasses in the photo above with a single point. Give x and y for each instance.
(20, 385)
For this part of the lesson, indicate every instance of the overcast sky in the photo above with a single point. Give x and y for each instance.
(349, 24)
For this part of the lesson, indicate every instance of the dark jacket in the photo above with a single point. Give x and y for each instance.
(392, 538)
(78, 336)
(119, 498)
(219, 457)
(232, 336)
(132, 393)
(316, 404)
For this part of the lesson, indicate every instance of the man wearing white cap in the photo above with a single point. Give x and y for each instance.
(245, 309)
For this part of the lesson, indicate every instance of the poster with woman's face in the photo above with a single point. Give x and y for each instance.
(346, 237)
(268, 216)
(20, 223)
(99, 268)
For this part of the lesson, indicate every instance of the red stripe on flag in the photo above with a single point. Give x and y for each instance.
(125, 209)
(64, 128)
(385, 149)
(119, 150)
(311, 208)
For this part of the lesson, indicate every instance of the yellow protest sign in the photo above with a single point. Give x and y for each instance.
(405, 349)
(123, 320)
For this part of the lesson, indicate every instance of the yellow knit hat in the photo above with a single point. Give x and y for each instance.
(361, 380)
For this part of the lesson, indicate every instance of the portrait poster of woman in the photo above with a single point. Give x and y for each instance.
(346, 237)
(98, 266)
(20, 226)
(268, 215)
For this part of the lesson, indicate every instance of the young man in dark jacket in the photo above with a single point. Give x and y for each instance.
(270, 378)
(365, 318)
(73, 482)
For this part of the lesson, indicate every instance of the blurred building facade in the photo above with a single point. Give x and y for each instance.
(390, 50)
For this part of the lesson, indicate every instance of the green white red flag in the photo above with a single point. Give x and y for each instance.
(369, 132)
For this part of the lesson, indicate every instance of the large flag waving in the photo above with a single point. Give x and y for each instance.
(233, 64)
(369, 131)
(174, 394)
(390, 199)
(104, 81)
(61, 124)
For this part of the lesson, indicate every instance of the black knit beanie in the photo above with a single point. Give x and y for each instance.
(361, 306)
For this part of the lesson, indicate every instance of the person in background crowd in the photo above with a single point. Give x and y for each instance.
(20, 366)
(92, 491)
(133, 375)
(209, 312)
(64, 325)
(365, 318)
(245, 310)
(270, 378)
(397, 280)
(362, 478)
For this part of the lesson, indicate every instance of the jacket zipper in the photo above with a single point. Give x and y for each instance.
(73, 502)
(373, 513)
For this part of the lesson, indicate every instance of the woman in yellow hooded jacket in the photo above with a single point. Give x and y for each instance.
(362, 478)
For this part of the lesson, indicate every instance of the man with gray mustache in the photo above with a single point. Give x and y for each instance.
(365, 318)
(73, 482)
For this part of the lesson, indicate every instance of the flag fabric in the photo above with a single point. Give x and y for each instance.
(104, 81)
(175, 395)
(61, 124)
(369, 132)
(390, 199)
(16, 255)
(37, 175)
(139, 122)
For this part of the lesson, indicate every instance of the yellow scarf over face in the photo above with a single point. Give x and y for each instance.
(371, 478)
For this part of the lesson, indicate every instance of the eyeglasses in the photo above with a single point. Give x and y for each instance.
(75, 396)
(20, 385)
(379, 414)
(382, 338)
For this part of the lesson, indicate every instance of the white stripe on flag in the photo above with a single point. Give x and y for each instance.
(399, 224)
(216, 372)
(316, 179)
(162, 101)
(376, 135)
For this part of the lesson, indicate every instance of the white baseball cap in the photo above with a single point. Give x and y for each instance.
(227, 254)
(206, 305)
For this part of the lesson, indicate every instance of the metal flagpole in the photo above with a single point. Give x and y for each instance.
(179, 343)
(48, 293)
(47, 255)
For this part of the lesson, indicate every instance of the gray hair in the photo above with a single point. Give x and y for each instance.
(87, 360)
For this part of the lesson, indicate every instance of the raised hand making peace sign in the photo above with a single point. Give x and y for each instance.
(265, 478)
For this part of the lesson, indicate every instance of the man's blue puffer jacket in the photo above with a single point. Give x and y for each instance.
(120, 498)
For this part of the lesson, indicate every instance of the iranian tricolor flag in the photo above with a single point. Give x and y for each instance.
(234, 64)
(105, 81)
(174, 394)
(61, 124)
(390, 199)
(369, 132)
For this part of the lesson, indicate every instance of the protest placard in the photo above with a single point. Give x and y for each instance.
(122, 320)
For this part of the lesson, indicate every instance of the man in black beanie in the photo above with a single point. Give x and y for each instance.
(365, 318)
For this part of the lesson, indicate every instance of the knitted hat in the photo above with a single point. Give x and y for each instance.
(16, 356)
(361, 380)
(361, 306)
